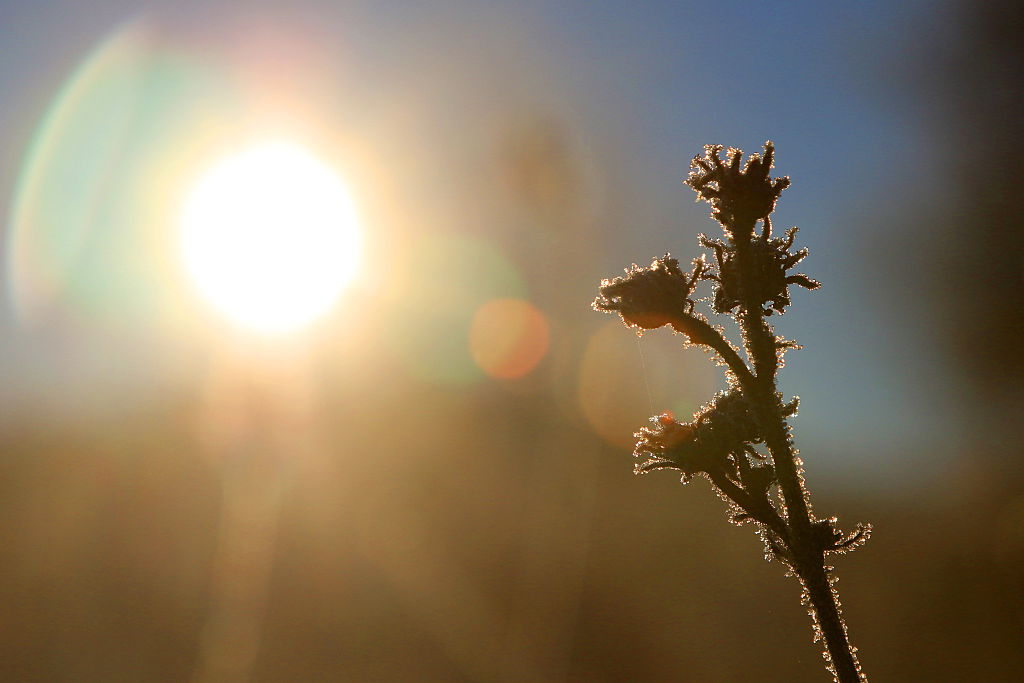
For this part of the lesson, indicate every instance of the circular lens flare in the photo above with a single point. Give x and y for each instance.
(270, 237)
(508, 338)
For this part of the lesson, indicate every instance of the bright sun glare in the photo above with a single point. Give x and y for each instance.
(270, 237)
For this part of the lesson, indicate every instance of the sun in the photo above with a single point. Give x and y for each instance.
(270, 237)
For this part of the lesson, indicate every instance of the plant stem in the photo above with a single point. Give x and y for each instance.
(701, 332)
(761, 391)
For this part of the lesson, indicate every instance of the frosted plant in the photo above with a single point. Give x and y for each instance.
(724, 441)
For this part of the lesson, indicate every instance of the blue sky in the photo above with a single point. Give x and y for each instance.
(648, 84)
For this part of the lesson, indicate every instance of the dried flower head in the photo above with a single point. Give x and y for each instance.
(770, 259)
(739, 196)
(648, 298)
(673, 445)
(724, 427)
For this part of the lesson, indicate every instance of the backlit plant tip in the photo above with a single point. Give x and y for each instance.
(741, 440)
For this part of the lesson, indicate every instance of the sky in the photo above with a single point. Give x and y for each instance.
(640, 90)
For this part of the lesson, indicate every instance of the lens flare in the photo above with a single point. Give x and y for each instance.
(624, 380)
(440, 281)
(508, 338)
(93, 212)
(612, 395)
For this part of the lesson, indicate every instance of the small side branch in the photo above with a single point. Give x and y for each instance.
(699, 331)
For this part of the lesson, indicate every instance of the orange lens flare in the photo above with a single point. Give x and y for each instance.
(508, 338)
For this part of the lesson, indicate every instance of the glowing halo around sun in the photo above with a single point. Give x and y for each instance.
(270, 237)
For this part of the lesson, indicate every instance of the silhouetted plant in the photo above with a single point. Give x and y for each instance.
(751, 280)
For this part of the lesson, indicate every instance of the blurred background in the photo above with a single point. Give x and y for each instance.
(429, 477)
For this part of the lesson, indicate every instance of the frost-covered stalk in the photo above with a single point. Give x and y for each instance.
(751, 279)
